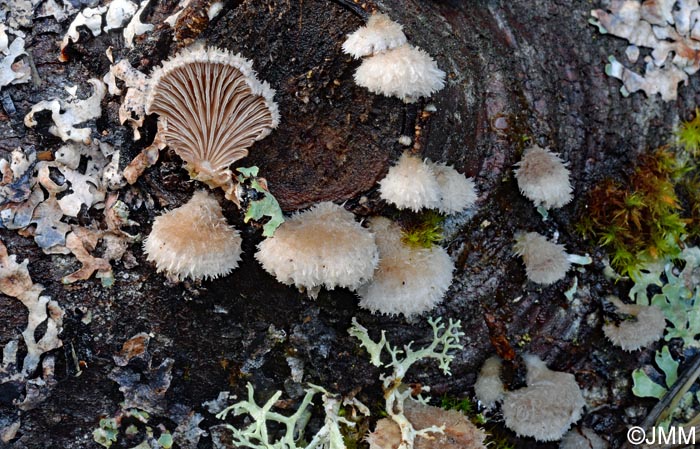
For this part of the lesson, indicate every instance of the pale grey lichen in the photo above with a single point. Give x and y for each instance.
(445, 339)
(135, 27)
(68, 113)
(42, 311)
(24, 202)
(668, 28)
(256, 434)
(88, 17)
(12, 71)
(678, 297)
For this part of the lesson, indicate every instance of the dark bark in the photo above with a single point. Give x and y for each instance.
(524, 69)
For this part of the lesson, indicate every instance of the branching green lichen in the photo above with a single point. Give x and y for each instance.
(445, 339)
(256, 435)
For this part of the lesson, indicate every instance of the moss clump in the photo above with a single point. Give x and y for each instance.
(688, 134)
(640, 221)
(464, 405)
(425, 232)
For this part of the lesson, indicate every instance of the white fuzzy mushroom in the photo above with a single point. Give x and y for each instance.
(194, 240)
(321, 247)
(411, 184)
(405, 72)
(408, 280)
(489, 386)
(545, 262)
(213, 109)
(546, 408)
(457, 192)
(543, 178)
(380, 34)
(645, 326)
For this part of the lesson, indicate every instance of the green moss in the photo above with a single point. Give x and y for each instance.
(688, 134)
(426, 232)
(642, 220)
(500, 442)
(464, 405)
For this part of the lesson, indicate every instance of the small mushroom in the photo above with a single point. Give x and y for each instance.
(408, 280)
(405, 72)
(380, 34)
(543, 178)
(321, 247)
(411, 184)
(194, 241)
(489, 386)
(456, 190)
(546, 408)
(545, 262)
(645, 325)
(212, 108)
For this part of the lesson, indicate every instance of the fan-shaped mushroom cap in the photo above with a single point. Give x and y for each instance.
(545, 262)
(543, 178)
(547, 407)
(213, 108)
(411, 184)
(459, 432)
(194, 240)
(405, 72)
(647, 326)
(456, 190)
(380, 34)
(408, 280)
(489, 386)
(321, 247)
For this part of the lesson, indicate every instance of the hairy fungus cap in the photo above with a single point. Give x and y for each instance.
(213, 108)
(380, 34)
(321, 247)
(405, 72)
(543, 178)
(194, 240)
(408, 280)
(411, 184)
(489, 386)
(457, 192)
(547, 407)
(545, 262)
(459, 432)
(645, 326)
